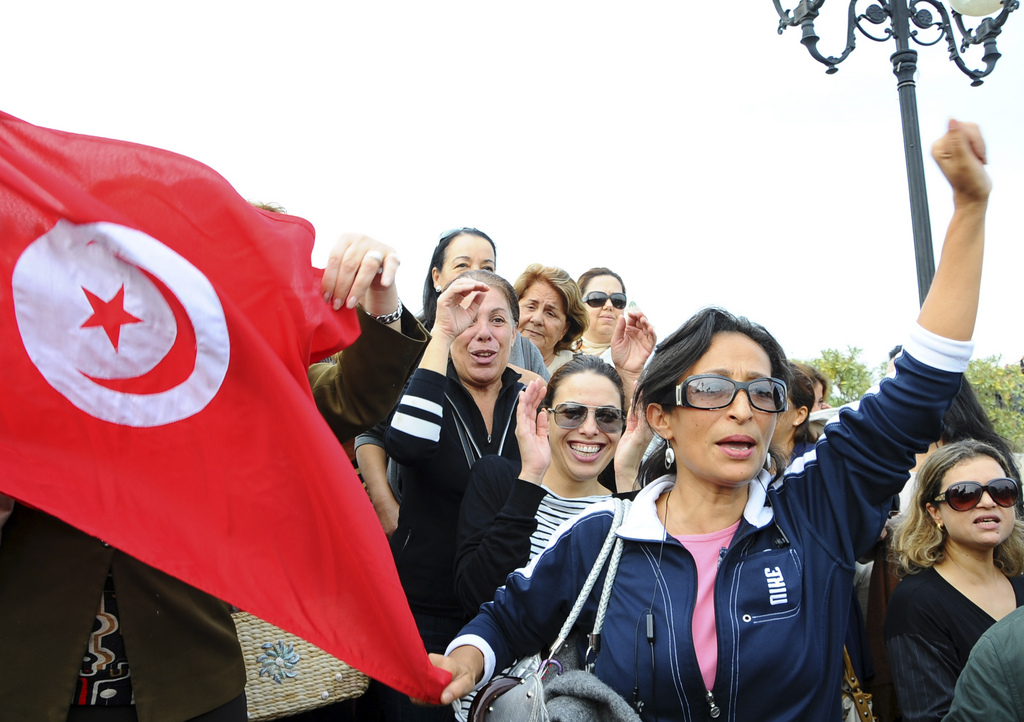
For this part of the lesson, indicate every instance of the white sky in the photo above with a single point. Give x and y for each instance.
(705, 158)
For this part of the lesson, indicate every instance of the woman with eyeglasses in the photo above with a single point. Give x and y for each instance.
(734, 584)
(960, 551)
(604, 294)
(568, 434)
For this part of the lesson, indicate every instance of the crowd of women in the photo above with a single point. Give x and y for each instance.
(537, 407)
(735, 591)
(734, 594)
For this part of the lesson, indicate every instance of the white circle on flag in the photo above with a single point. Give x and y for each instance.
(100, 361)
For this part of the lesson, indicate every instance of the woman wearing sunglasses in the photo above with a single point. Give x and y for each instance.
(960, 551)
(604, 294)
(734, 585)
(568, 434)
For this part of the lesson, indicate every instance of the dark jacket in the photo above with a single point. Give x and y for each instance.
(362, 384)
(783, 586)
(437, 433)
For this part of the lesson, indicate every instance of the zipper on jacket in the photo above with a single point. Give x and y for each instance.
(710, 699)
(401, 552)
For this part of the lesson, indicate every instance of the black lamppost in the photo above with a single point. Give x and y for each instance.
(900, 14)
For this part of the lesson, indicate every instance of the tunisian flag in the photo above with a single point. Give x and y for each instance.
(154, 335)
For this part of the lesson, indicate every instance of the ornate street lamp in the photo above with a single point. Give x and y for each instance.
(931, 17)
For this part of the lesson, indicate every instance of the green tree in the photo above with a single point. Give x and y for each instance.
(849, 375)
(1000, 389)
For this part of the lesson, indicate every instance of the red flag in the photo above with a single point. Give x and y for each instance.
(154, 335)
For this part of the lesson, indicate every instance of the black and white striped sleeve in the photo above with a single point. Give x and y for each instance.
(416, 425)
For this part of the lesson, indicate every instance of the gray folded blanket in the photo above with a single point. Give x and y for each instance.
(579, 696)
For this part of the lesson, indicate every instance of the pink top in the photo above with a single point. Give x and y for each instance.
(706, 550)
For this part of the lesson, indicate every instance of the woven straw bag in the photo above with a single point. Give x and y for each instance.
(285, 675)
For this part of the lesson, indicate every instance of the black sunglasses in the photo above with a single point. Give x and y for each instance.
(711, 391)
(965, 495)
(596, 299)
(572, 416)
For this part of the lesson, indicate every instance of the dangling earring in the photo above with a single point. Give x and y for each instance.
(670, 457)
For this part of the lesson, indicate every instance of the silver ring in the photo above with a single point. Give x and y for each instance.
(376, 255)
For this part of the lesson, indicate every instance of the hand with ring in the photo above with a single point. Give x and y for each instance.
(361, 270)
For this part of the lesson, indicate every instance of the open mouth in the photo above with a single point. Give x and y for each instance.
(987, 522)
(483, 355)
(737, 447)
(585, 452)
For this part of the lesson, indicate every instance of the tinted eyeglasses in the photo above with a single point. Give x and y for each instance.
(965, 495)
(596, 299)
(711, 391)
(572, 416)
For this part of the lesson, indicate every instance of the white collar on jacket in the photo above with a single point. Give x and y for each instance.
(643, 524)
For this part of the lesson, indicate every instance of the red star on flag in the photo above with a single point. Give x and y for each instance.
(109, 314)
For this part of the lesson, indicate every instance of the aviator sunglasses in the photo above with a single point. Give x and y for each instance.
(965, 495)
(596, 299)
(571, 416)
(711, 391)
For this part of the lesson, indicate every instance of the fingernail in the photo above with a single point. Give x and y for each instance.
(327, 297)
(351, 302)
(337, 304)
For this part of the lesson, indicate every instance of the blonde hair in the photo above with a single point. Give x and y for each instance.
(576, 317)
(918, 543)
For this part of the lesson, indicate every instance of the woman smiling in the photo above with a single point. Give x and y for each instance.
(567, 435)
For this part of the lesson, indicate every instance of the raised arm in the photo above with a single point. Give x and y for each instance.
(951, 306)
(367, 380)
(633, 342)
(415, 428)
(361, 270)
(457, 307)
(630, 452)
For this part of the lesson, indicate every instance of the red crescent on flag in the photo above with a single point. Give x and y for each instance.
(175, 367)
